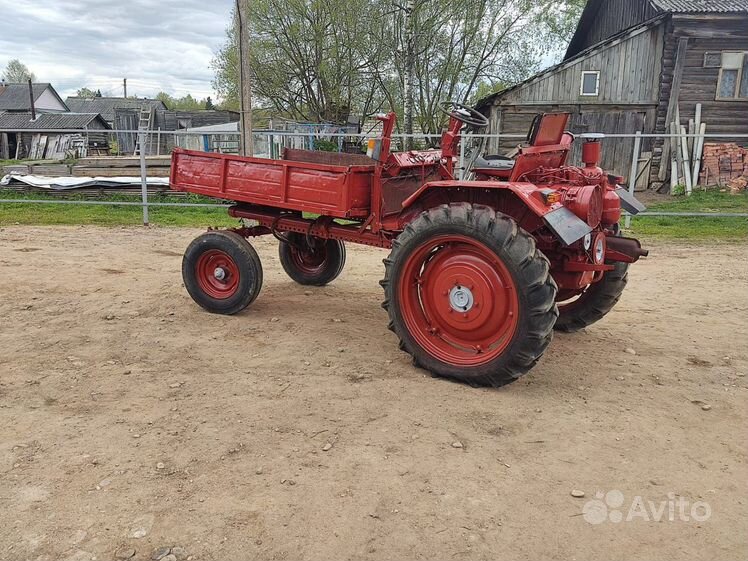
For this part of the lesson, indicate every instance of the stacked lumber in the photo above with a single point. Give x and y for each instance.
(156, 166)
(725, 165)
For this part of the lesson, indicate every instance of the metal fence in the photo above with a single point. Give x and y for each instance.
(270, 144)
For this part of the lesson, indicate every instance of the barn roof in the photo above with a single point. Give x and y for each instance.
(15, 97)
(591, 10)
(701, 6)
(106, 105)
(49, 122)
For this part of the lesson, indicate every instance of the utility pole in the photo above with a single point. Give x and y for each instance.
(245, 84)
(410, 63)
(124, 86)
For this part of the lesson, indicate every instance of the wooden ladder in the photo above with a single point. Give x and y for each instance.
(144, 124)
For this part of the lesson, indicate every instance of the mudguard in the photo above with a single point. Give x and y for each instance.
(566, 225)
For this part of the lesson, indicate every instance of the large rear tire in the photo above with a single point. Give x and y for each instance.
(314, 262)
(469, 295)
(222, 272)
(595, 302)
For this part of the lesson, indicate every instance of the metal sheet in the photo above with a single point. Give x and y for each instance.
(630, 203)
(567, 225)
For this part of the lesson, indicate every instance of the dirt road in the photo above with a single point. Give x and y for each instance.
(131, 420)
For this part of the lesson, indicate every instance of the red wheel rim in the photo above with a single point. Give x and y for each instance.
(308, 260)
(217, 274)
(458, 300)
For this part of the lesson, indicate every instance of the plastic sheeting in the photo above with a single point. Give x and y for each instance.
(65, 183)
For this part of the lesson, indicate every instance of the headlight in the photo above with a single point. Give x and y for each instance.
(598, 252)
(588, 242)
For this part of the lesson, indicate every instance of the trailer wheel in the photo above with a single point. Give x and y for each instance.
(469, 295)
(313, 264)
(222, 272)
(578, 311)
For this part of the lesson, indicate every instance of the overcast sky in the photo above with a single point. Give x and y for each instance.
(157, 45)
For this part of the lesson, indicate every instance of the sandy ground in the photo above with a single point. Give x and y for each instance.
(131, 420)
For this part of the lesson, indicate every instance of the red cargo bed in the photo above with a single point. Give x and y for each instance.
(332, 184)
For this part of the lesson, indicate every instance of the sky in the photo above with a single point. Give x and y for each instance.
(164, 45)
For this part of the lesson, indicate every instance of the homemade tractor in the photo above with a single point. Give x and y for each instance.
(480, 271)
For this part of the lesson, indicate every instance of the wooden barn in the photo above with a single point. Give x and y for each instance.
(637, 65)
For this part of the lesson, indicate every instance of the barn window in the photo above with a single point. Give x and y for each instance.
(590, 83)
(733, 76)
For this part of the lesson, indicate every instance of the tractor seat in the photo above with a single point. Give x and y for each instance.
(494, 166)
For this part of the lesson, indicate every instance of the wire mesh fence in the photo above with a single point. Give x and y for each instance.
(634, 152)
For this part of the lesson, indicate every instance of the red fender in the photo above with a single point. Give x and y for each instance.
(562, 222)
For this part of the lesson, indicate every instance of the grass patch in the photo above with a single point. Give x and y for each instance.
(110, 215)
(695, 228)
(676, 227)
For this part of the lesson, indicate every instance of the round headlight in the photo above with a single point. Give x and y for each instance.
(587, 242)
(599, 249)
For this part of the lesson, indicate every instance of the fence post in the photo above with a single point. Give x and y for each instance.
(463, 140)
(143, 180)
(634, 170)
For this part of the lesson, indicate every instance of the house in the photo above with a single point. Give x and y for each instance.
(124, 114)
(16, 97)
(639, 65)
(51, 135)
(108, 107)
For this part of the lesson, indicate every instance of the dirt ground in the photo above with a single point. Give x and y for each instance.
(132, 420)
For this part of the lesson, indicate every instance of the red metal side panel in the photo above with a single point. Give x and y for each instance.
(310, 187)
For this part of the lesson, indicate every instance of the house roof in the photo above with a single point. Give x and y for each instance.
(106, 105)
(49, 122)
(592, 9)
(15, 97)
(700, 6)
(488, 100)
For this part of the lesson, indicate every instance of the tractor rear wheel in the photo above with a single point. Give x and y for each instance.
(469, 295)
(311, 261)
(594, 303)
(222, 272)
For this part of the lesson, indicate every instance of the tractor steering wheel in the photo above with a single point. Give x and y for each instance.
(464, 114)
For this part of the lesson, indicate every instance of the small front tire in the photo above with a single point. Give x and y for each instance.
(222, 272)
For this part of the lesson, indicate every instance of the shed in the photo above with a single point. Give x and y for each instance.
(50, 135)
(636, 65)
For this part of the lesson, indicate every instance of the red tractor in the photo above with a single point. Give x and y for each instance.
(480, 270)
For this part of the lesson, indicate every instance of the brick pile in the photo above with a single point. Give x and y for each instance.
(725, 165)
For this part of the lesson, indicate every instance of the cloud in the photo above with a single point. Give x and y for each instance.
(157, 45)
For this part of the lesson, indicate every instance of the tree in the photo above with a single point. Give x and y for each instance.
(87, 93)
(186, 103)
(16, 72)
(320, 60)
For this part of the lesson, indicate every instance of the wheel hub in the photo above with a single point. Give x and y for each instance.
(461, 299)
(219, 273)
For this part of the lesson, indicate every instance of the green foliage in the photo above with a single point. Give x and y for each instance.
(185, 103)
(325, 145)
(88, 93)
(17, 73)
(320, 60)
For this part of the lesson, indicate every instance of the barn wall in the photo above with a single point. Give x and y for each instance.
(699, 84)
(611, 119)
(608, 19)
(629, 70)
